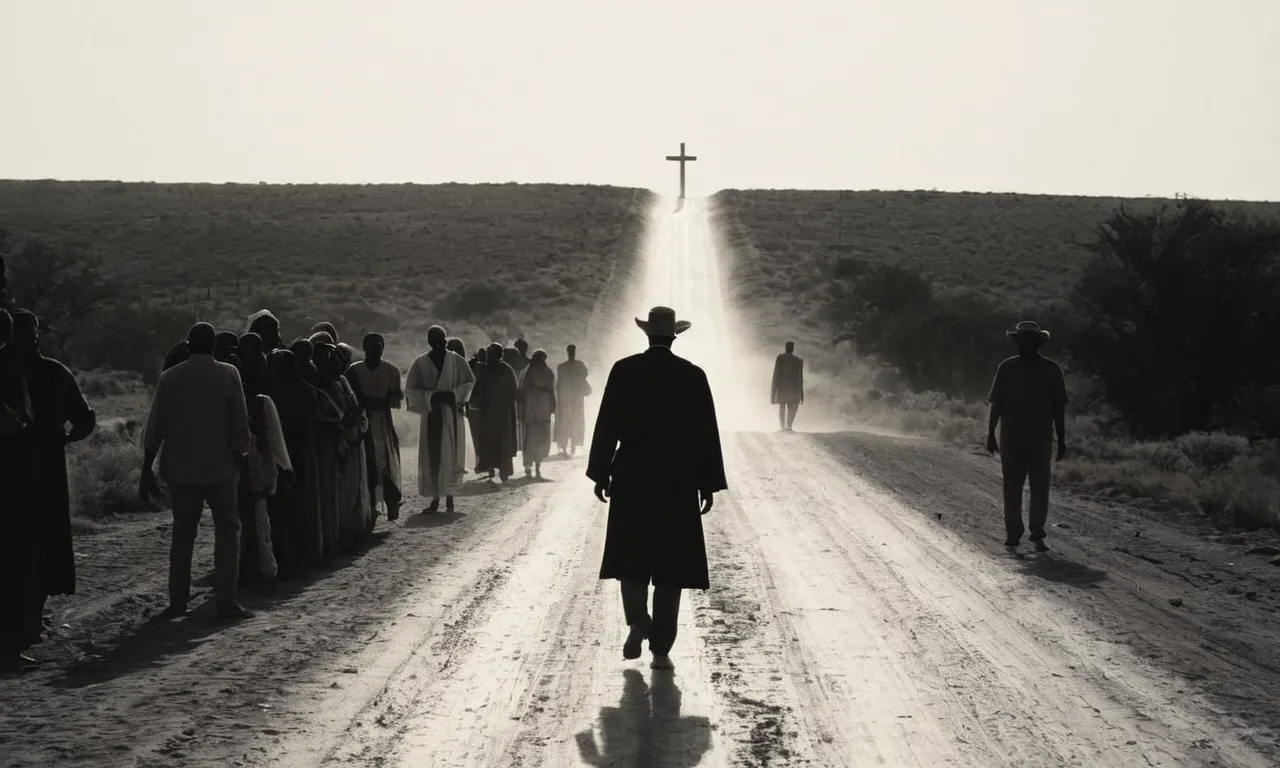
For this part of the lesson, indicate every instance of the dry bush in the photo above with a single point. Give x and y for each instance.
(104, 470)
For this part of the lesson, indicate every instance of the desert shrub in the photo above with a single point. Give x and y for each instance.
(106, 383)
(477, 298)
(104, 470)
(1173, 300)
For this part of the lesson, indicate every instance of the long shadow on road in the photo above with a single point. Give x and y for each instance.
(1054, 567)
(159, 638)
(646, 728)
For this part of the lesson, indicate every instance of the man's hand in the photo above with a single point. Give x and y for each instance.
(285, 478)
(992, 446)
(148, 488)
(602, 492)
(1062, 450)
(706, 498)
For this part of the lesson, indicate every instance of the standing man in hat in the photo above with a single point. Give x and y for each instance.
(787, 391)
(658, 413)
(1028, 398)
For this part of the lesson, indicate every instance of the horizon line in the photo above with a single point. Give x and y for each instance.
(880, 190)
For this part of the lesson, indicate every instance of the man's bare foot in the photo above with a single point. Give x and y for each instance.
(662, 661)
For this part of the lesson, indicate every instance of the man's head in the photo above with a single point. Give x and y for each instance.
(282, 366)
(225, 345)
(456, 346)
(176, 356)
(249, 345)
(201, 339)
(522, 347)
(572, 351)
(26, 333)
(791, 347)
(436, 337)
(539, 357)
(494, 352)
(302, 350)
(1028, 337)
(374, 345)
(482, 355)
(323, 358)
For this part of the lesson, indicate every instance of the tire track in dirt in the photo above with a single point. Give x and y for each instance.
(912, 649)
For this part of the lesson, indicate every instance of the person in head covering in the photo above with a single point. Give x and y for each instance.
(179, 354)
(330, 444)
(496, 427)
(655, 459)
(327, 329)
(1028, 399)
(537, 406)
(377, 385)
(354, 505)
(267, 327)
(437, 384)
(571, 390)
(294, 511)
(36, 553)
(455, 345)
(269, 464)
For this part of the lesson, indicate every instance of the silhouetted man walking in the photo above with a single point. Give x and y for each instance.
(658, 412)
(787, 391)
(1028, 397)
(200, 418)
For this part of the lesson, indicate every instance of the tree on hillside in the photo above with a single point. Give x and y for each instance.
(1171, 302)
(64, 288)
(939, 341)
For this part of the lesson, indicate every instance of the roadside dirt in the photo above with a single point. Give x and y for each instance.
(847, 625)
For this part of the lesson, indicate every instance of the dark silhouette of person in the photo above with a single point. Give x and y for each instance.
(787, 391)
(36, 555)
(1028, 399)
(225, 346)
(647, 727)
(496, 426)
(267, 326)
(571, 389)
(655, 457)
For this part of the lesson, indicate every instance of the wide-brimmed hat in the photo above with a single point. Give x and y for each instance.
(662, 322)
(1028, 328)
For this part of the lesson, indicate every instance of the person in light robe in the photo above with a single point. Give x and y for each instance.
(269, 465)
(438, 382)
(377, 386)
(455, 345)
(537, 407)
(571, 389)
(476, 407)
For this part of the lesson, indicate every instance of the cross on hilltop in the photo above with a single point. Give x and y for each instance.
(681, 158)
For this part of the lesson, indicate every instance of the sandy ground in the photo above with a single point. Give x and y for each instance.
(863, 612)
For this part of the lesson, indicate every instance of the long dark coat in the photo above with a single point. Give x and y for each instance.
(496, 391)
(659, 407)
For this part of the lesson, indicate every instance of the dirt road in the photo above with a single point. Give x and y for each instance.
(848, 624)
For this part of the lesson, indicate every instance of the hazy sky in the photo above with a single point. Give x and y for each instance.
(1126, 97)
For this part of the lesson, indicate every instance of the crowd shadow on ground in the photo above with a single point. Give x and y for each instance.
(647, 728)
(159, 638)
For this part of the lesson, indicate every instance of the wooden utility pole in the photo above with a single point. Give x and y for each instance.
(681, 158)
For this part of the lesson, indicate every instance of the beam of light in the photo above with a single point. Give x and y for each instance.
(680, 268)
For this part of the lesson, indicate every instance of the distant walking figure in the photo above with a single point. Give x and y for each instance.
(657, 411)
(1028, 398)
(437, 385)
(200, 417)
(571, 389)
(787, 391)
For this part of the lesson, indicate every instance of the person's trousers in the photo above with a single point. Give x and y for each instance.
(666, 612)
(1020, 467)
(787, 414)
(188, 507)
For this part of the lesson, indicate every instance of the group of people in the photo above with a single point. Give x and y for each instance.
(295, 451)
